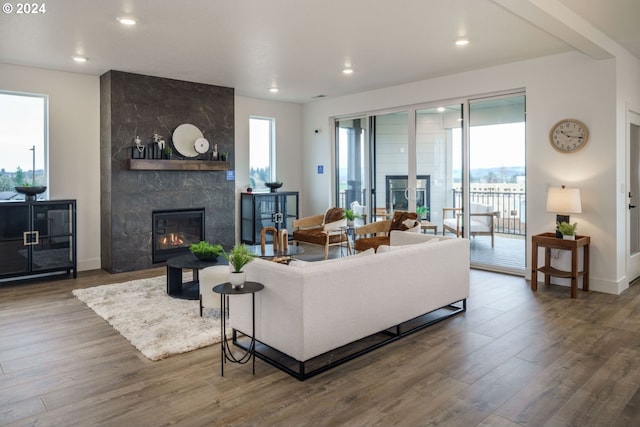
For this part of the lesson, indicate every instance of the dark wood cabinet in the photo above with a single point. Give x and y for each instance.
(37, 237)
(259, 210)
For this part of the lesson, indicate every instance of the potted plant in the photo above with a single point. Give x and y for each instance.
(567, 230)
(168, 152)
(422, 212)
(351, 216)
(224, 156)
(238, 257)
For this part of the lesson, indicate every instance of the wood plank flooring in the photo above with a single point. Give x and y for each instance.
(515, 358)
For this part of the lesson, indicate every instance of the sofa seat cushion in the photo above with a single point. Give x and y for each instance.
(317, 236)
(370, 242)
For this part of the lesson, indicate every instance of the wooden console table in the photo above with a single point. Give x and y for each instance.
(549, 241)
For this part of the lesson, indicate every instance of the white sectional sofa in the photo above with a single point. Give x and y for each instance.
(310, 308)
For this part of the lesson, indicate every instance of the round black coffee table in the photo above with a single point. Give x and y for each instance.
(175, 265)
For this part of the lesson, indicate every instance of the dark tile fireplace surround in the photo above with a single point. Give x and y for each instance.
(136, 105)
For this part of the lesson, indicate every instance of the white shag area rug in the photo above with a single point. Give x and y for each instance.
(158, 325)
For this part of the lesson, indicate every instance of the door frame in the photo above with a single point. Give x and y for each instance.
(632, 259)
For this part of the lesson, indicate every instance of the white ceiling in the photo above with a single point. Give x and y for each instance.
(301, 46)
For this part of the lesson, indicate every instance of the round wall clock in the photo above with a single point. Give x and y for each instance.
(201, 145)
(568, 135)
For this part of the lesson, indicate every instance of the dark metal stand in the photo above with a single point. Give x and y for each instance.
(225, 290)
(303, 370)
(188, 290)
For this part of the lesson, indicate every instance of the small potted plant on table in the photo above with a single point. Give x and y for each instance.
(422, 212)
(567, 230)
(351, 216)
(238, 257)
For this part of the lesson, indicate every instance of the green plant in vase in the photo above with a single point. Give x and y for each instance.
(567, 230)
(238, 257)
(351, 216)
(422, 212)
(206, 251)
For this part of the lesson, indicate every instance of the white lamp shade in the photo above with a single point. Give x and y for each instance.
(564, 200)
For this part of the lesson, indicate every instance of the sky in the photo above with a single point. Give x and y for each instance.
(493, 146)
(22, 125)
(259, 134)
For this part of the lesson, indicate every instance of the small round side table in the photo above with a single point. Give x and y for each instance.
(225, 290)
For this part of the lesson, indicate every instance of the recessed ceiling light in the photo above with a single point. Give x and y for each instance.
(273, 90)
(441, 109)
(125, 20)
(80, 59)
(462, 42)
(347, 71)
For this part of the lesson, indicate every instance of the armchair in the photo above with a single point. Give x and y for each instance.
(375, 234)
(481, 217)
(323, 230)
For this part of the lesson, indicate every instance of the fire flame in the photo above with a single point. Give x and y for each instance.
(173, 239)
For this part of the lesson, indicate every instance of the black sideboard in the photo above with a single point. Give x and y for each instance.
(37, 238)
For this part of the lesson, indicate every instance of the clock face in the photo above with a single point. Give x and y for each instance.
(201, 145)
(568, 135)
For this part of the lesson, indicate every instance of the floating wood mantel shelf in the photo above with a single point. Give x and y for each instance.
(178, 165)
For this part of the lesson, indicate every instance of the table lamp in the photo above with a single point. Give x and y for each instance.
(563, 201)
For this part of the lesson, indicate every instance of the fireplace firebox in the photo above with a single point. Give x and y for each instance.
(174, 231)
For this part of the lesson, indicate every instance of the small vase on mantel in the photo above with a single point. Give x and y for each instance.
(237, 279)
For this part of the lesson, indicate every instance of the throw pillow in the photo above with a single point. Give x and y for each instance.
(333, 215)
(399, 217)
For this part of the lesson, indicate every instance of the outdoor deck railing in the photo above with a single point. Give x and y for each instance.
(511, 205)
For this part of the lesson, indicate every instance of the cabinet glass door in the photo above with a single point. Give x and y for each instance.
(14, 222)
(52, 225)
(289, 209)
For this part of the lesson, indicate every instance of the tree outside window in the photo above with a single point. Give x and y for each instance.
(23, 142)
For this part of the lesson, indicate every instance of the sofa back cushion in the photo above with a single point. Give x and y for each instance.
(480, 208)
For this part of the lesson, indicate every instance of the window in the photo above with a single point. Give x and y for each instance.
(23, 142)
(261, 151)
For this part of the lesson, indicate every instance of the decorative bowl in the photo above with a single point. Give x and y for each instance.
(273, 185)
(206, 251)
(31, 190)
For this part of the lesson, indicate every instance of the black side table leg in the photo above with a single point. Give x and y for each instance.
(253, 332)
(222, 334)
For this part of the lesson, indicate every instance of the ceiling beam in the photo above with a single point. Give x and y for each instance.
(561, 22)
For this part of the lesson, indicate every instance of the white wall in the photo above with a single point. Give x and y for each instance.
(74, 145)
(561, 86)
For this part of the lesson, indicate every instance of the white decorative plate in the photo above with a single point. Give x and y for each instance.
(184, 139)
(201, 145)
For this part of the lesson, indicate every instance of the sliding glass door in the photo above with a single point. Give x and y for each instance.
(465, 178)
(351, 162)
(390, 142)
(497, 183)
(438, 157)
